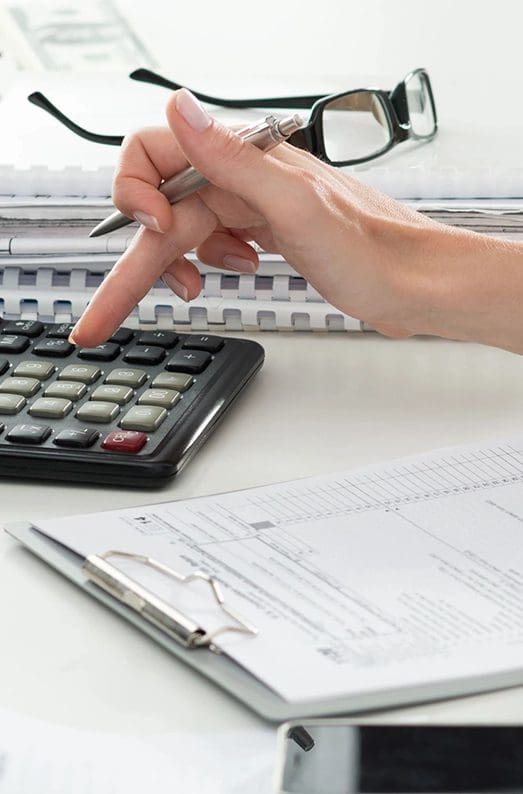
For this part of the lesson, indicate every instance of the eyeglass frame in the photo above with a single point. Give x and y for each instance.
(310, 137)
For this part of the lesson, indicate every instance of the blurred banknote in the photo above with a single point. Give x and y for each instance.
(56, 34)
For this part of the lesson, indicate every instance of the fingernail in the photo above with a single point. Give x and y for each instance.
(191, 110)
(176, 286)
(147, 220)
(72, 337)
(239, 263)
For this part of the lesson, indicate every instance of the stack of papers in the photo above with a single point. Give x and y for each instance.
(55, 187)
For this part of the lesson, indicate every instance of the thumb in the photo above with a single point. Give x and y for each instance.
(226, 160)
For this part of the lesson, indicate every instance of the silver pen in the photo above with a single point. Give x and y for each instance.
(265, 135)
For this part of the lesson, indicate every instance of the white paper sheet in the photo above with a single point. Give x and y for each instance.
(399, 574)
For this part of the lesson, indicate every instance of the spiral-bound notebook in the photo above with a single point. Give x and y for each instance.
(52, 182)
(38, 156)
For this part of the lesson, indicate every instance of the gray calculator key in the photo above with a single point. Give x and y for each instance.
(34, 369)
(66, 389)
(94, 411)
(143, 417)
(125, 376)
(85, 373)
(165, 398)
(172, 380)
(24, 386)
(51, 407)
(113, 394)
(11, 403)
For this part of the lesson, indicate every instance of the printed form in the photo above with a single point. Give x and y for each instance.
(396, 574)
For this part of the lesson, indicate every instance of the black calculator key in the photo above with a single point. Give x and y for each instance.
(29, 434)
(13, 344)
(4, 365)
(106, 352)
(53, 347)
(164, 339)
(209, 343)
(188, 361)
(30, 328)
(61, 331)
(122, 336)
(77, 439)
(144, 355)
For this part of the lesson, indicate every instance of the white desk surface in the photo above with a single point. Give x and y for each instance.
(321, 403)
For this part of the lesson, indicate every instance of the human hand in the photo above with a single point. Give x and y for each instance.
(363, 252)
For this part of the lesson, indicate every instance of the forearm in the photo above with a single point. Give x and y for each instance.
(473, 288)
(462, 285)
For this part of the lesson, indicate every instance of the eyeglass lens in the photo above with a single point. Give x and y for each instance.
(355, 126)
(421, 111)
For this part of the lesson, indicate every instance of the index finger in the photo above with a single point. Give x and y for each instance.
(148, 157)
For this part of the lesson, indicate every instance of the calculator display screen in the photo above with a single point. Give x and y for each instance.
(348, 759)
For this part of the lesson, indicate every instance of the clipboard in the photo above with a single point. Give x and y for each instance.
(224, 671)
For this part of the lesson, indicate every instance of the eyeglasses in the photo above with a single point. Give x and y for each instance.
(343, 129)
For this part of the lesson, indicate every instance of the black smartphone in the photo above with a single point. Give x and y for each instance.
(339, 757)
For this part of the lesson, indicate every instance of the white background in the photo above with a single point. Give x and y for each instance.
(320, 404)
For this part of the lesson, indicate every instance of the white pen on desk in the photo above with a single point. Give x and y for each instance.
(265, 135)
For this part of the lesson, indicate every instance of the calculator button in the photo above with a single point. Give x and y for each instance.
(98, 412)
(127, 377)
(34, 369)
(106, 352)
(51, 407)
(61, 331)
(143, 417)
(29, 434)
(13, 344)
(145, 355)
(188, 361)
(11, 403)
(30, 328)
(209, 343)
(165, 398)
(114, 394)
(85, 373)
(53, 347)
(172, 380)
(164, 339)
(66, 389)
(125, 441)
(4, 365)
(77, 439)
(122, 336)
(24, 386)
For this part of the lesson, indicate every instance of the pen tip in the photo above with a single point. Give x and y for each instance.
(94, 232)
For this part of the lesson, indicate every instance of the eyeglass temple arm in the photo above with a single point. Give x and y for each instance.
(41, 101)
(147, 76)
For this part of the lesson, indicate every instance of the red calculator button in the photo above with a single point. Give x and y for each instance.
(125, 441)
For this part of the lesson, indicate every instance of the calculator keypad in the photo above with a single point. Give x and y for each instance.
(118, 401)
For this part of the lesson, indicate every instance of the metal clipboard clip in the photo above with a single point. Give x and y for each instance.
(154, 609)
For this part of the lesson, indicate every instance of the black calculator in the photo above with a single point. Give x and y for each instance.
(131, 411)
